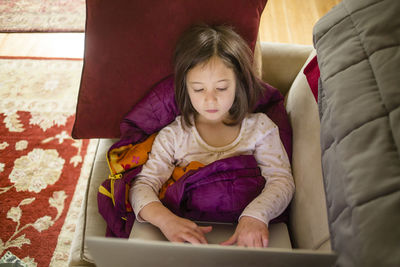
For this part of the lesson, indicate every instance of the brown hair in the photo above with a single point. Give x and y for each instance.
(198, 45)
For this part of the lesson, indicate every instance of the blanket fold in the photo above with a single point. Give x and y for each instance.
(358, 47)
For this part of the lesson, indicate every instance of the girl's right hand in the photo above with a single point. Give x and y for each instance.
(177, 229)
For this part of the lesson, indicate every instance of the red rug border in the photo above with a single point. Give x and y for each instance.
(40, 58)
(44, 31)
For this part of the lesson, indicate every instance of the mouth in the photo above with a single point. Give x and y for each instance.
(212, 110)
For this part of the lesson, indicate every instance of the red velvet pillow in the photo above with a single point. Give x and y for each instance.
(312, 74)
(129, 46)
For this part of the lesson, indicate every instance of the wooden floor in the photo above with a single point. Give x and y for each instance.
(64, 45)
(284, 21)
(292, 21)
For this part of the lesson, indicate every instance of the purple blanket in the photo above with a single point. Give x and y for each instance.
(217, 192)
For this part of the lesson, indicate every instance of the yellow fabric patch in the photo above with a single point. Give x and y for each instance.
(104, 191)
(178, 173)
(130, 156)
(127, 157)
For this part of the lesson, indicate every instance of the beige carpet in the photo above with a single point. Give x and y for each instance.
(42, 15)
(43, 171)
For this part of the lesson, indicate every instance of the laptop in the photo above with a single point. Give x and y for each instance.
(152, 250)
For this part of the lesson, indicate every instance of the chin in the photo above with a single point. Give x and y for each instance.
(213, 117)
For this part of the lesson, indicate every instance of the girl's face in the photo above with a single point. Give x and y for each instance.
(211, 87)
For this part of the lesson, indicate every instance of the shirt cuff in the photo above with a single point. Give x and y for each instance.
(256, 215)
(139, 199)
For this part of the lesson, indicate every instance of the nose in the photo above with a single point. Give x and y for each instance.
(210, 96)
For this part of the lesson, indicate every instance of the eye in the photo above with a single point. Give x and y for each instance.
(222, 89)
(198, 90)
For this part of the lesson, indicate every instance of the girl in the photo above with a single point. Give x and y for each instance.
(215, 89)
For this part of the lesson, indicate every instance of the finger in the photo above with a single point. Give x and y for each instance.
(246, 241)
(232, 240)
(196, 232)
(191, 238)
(199, 233)
(257, 243)
(265, 242)
(187, 238)
(241, 243)
(177, 240)
(205, 229)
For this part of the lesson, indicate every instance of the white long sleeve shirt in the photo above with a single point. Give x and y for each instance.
(176, 145)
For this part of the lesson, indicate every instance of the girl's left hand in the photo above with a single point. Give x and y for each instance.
(250, 232)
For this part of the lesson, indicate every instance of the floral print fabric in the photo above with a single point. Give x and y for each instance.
(41, 166)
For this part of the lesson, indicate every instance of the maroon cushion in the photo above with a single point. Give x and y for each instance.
(312, 74)
(129, 46)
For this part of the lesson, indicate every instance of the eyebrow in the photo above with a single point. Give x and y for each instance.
(223, 80)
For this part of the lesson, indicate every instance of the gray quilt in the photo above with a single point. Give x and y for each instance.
(358, 48)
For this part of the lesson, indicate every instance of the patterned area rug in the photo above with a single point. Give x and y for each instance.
(43, 171)
(42, 15)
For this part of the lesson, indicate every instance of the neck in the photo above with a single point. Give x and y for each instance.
(217, 134)
(217, 123)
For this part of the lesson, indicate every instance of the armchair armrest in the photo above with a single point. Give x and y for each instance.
(282, 62)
